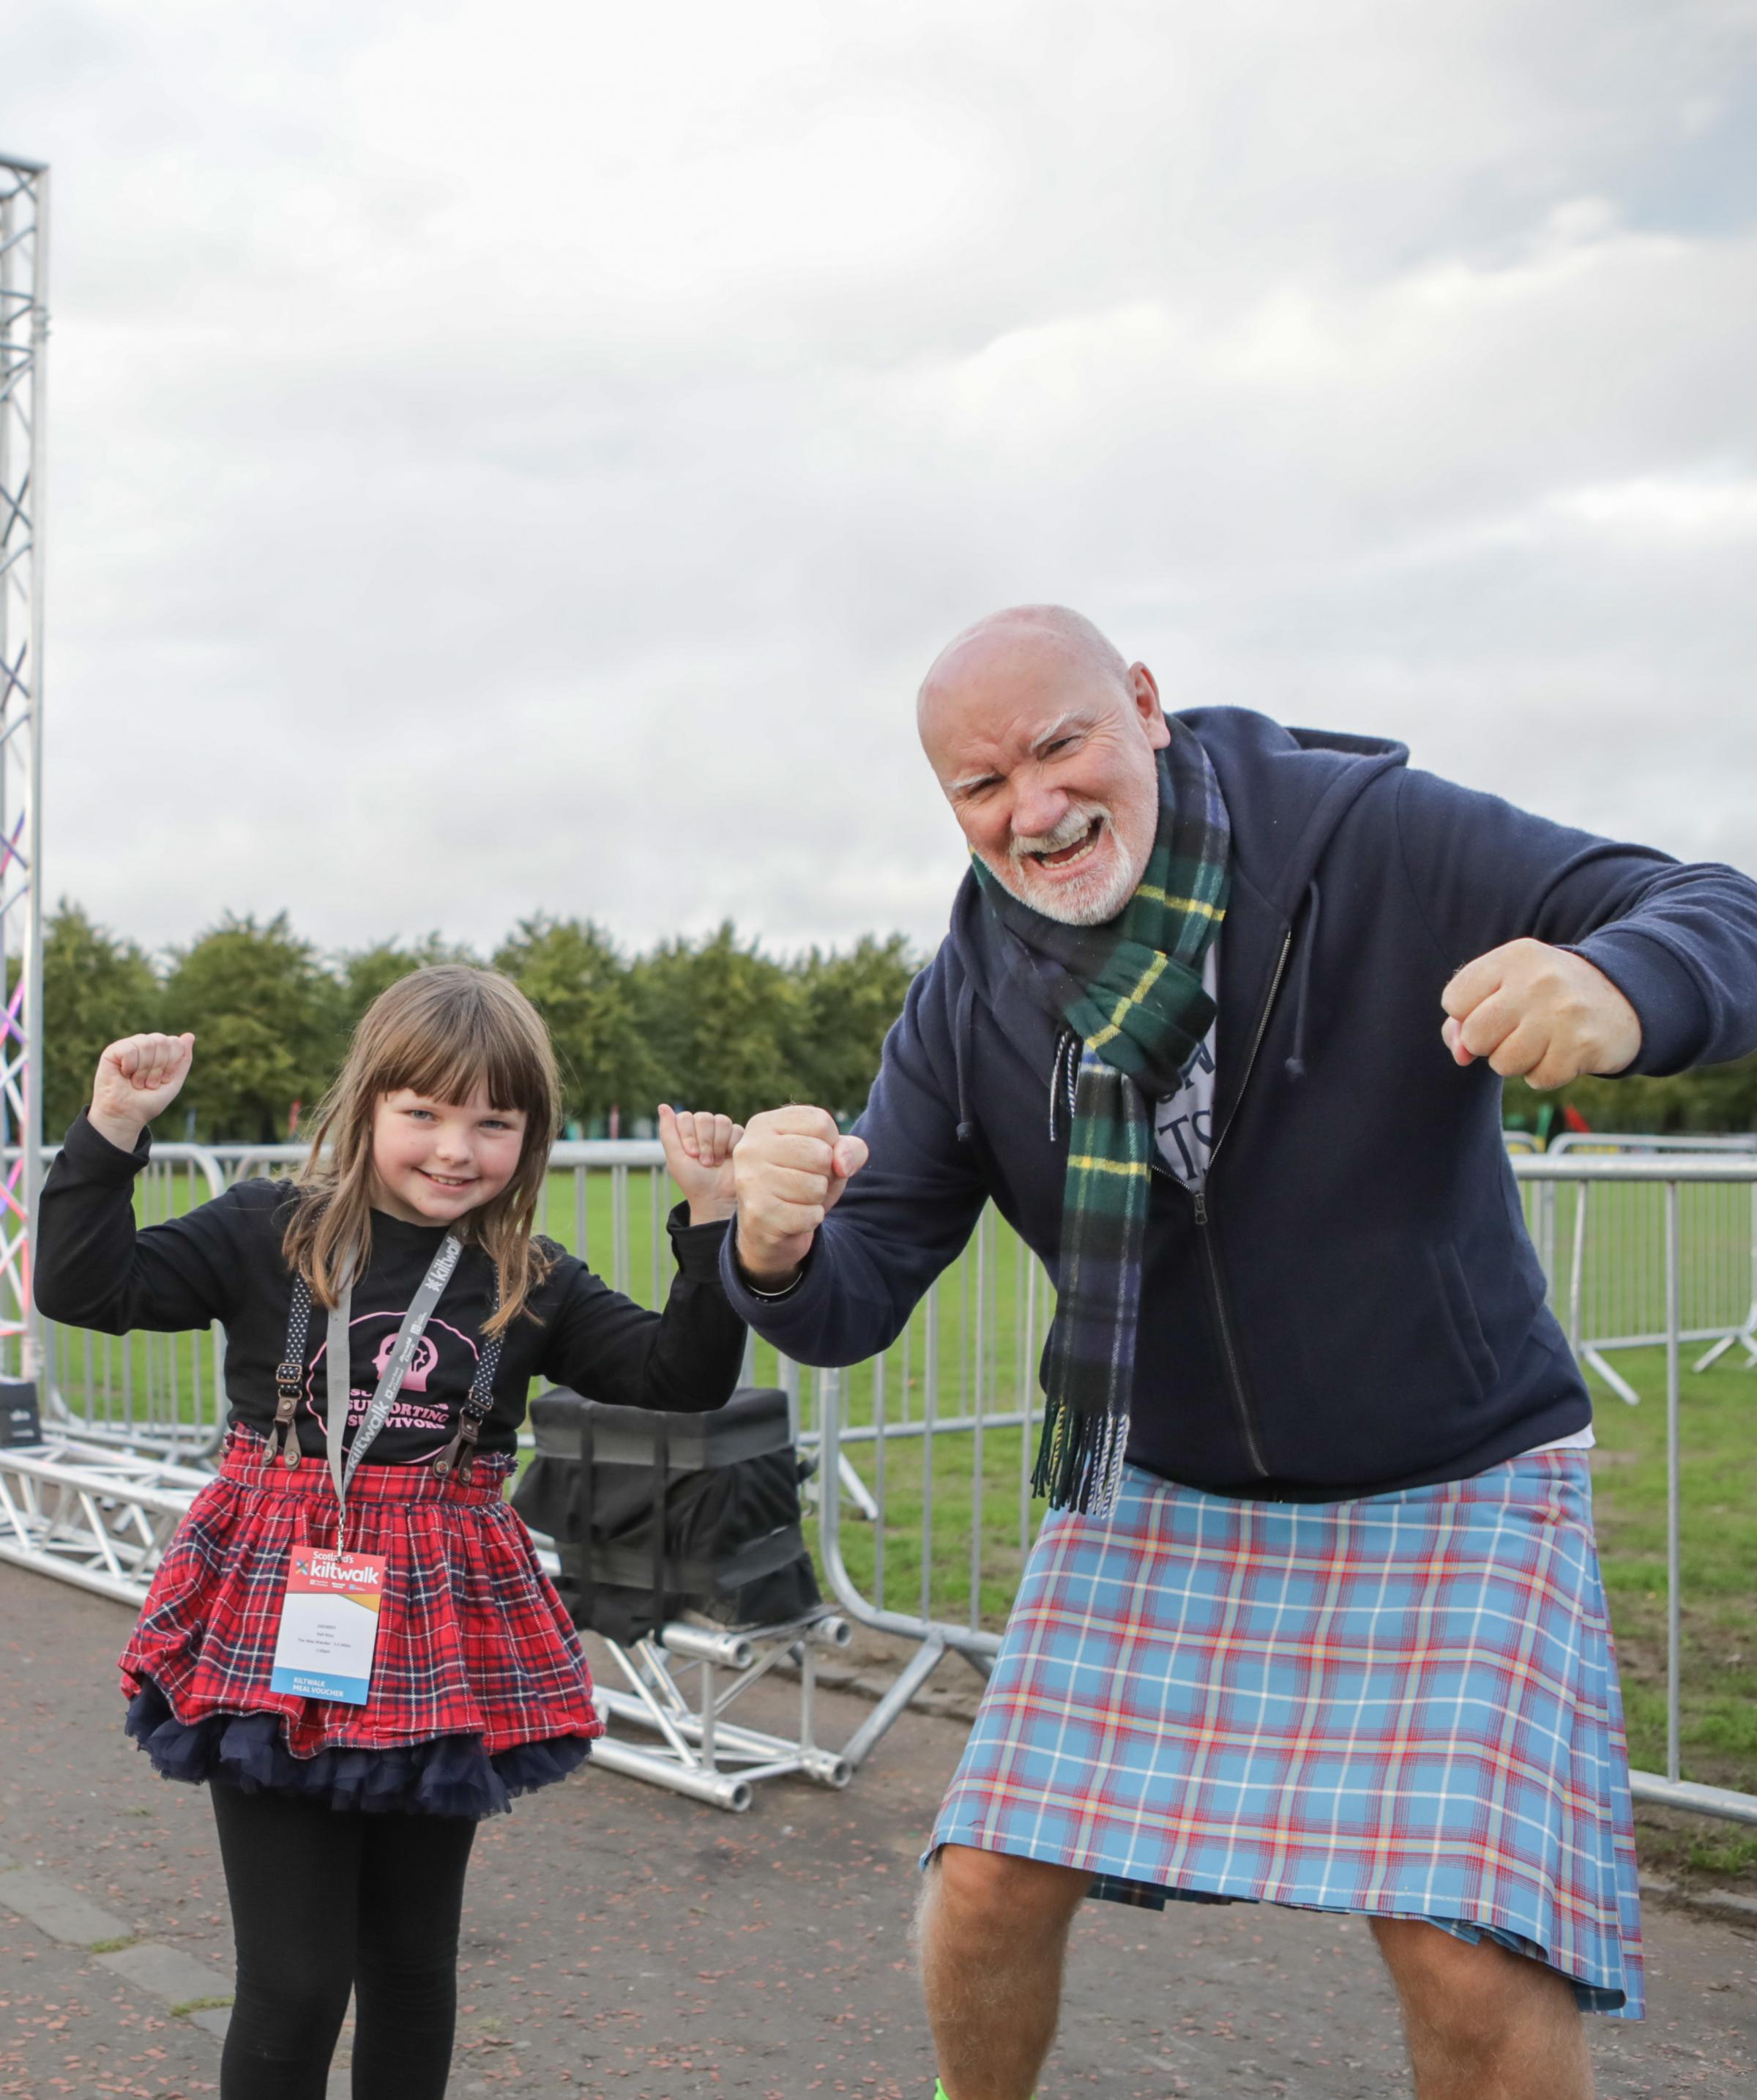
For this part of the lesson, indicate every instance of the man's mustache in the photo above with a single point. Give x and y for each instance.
(1069, 832)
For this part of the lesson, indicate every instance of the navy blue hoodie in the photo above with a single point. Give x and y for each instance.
(1353, 1304)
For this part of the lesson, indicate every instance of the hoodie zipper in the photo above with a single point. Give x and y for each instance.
(1216, 1287)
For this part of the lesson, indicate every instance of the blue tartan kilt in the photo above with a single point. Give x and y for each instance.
(1404, 1706)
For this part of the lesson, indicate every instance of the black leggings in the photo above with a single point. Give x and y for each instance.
(325, 1899)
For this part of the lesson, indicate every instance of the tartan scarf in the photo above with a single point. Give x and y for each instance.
(1131, 990)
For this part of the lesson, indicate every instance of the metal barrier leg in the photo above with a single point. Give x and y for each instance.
(1744, 1339)
(920, 1667)
(856, 1489)
(1617, 1384)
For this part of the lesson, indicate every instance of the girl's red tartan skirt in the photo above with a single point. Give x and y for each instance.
(479, 1689)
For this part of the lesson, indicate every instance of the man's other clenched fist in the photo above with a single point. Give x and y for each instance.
(1540, 1013)
(790, 1168)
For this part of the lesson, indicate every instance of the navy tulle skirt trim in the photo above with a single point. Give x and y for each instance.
(451, 1776)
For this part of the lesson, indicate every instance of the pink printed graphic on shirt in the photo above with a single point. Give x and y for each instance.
(415, 1378)
(436, 1362)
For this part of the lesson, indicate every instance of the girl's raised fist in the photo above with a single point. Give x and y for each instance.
(698, 1149)
(138, 1079)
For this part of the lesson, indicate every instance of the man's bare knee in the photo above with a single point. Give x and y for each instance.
(994, 1934)
(979, 1885)
(1471, 1994)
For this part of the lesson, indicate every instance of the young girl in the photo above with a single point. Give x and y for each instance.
(402, 1274)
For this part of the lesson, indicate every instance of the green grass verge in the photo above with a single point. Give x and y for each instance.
(1717, 1483)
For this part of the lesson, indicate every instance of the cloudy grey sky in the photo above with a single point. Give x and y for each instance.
(514, 455)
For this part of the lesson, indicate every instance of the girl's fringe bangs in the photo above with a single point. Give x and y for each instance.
(478, 1055)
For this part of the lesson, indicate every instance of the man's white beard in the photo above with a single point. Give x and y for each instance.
(1088, 899)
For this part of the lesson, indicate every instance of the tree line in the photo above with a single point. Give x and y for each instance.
(714, 1022)
(708, 1023)
(1717, 1098)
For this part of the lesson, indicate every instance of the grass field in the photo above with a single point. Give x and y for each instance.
(1718, 1499)
(1718, 1493)
(956, 1525)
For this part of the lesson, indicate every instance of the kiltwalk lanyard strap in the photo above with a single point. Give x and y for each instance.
(338, 1366)
(289, 1379)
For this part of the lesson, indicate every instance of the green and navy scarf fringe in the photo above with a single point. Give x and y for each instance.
(1131, 990)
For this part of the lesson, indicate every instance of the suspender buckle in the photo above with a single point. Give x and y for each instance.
(283, 1433)
(459, 1455)
(288, 1376)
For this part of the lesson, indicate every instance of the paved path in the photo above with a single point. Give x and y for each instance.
(621, 1941)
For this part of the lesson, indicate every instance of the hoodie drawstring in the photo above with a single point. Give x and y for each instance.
(1067, 1058)
(962, 1032)
(1295, 1067)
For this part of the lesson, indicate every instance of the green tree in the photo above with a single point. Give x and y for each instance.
(96, 988)
(574, 975)
(721, 1023)
(1713, 1098)
(364, 973)
(267, 1018)
(848, 1004)
(1725, 1096)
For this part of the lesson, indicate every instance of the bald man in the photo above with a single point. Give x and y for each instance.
(1315, 1616)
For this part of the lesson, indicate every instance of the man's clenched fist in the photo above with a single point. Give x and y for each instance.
(1538, 1013)
(790, 1169)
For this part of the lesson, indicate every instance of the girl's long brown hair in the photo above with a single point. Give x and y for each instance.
(442, 1033)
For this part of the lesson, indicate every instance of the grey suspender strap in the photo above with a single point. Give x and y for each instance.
(289, 1377)
(460, 1454)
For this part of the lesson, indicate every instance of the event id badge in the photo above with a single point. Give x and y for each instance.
(328, 1624)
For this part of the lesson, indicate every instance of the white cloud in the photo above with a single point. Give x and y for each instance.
(525, 455)
(1712, 509)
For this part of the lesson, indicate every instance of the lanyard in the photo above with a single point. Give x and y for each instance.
(339, 1367)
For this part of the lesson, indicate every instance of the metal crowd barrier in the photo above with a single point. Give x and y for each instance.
(157, 1394)
(165, 1394)
(1616, 1297)
(638, 1187)
(1646, 1243)
(1682, 1204)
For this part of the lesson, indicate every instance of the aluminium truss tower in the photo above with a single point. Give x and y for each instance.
(24, 331)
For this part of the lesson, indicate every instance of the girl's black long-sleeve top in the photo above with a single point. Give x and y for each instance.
(223, 1261)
